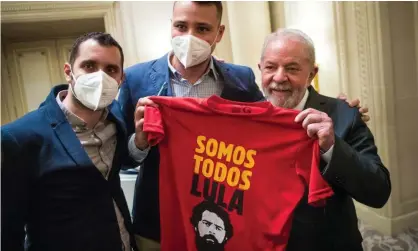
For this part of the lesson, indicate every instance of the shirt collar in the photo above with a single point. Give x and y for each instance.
(73, 119)
(210, 69)
(302, 103)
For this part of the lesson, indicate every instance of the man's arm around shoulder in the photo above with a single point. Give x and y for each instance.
(356, 167)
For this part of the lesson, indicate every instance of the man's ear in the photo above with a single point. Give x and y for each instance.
(67, 72)
(313, 73)
(259, 66)
(221, 33)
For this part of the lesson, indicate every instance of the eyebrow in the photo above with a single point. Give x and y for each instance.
(292, 64)
(198, 23)
(204, 24)
(204, 221)
(94, 62)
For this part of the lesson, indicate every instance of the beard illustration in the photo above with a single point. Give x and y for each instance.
(208, 242)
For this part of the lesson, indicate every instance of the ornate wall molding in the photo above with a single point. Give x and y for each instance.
(363, 49)
(340, 37)
(46, 11)
(18, 12)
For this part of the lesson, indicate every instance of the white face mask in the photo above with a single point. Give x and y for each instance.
(95, 90)
(191, 50)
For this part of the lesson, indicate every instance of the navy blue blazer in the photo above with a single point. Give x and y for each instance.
(50, 186)
(152, 78)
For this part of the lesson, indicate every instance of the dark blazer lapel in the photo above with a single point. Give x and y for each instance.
(121, 150)
(316, 101)
(63, 130)
(160, 77)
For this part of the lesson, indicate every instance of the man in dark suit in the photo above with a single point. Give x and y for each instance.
(60, 163)
(349, 159)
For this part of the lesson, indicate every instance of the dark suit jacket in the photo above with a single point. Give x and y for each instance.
(50, 186)
(148, 79)
(355, 171)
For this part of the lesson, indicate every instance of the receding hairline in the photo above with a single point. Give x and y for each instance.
(286, 34)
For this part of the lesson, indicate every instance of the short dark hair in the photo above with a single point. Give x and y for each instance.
(212, 207)
(218, 5)
(104, 39)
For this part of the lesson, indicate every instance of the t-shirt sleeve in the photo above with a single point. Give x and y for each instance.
(308, 167)
(153, 125)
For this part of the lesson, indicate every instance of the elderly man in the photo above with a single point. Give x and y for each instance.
(349, 159)
(60, 163)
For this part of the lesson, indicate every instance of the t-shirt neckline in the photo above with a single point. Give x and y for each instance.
(237, 108)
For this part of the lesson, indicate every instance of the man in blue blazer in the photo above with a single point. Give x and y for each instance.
(60, 180)
(188, 70)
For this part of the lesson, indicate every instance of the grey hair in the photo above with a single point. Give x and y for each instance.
(291, 34)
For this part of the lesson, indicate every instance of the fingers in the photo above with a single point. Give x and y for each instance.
(139, 124)
(312, 129)
(342, 96)
(363, 110)
(365, 118)
(146, 101)
(312, 118)
(141, 138)
(323, 124)
(303, 114)
(139, 112)
(140, 107)
(324, 132)
(354, 103)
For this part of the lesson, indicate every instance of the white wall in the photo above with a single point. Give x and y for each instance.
(316, 19)
(145, 29)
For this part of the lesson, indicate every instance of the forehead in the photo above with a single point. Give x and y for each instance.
(285, 51)
(192, 12)
(213, 218)
(92, 50)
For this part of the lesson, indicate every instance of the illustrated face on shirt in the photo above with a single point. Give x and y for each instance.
(211, 228)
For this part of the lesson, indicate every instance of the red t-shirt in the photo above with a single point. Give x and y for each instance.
(231, 173)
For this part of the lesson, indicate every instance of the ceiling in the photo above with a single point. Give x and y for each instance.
(50, 29)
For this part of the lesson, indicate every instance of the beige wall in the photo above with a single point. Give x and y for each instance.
(321, 28)
(145, 29)
(403, 49)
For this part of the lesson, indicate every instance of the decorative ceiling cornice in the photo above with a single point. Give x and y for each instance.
(48, 6)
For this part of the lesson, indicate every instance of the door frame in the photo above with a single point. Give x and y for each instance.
(12, 52)
(18, 12)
